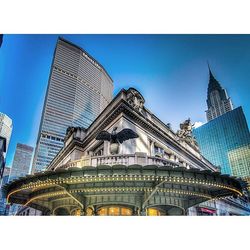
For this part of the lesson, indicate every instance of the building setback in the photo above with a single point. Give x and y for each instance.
(79, 89)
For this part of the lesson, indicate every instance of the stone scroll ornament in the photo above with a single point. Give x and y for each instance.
(116, 139)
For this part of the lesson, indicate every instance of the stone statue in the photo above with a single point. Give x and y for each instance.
(185, 132)
(135, 99)
(116, 139)
(185, 128)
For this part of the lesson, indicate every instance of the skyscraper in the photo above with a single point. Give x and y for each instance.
(224, 139)
(5, 128)
(218, 102)
(5, 179)
(219, 138)
(20, 167)
(21, 163)
(2, 152)
(6, 175)
(239, 159)
(79, 89)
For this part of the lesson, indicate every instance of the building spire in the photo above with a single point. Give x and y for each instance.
(208, 66)
(213, 83)
(218, 103)
(211, 77)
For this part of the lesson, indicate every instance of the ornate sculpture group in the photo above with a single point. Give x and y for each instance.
(135, 99)
(185, 132)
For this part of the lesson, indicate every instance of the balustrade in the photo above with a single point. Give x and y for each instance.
(129, 159)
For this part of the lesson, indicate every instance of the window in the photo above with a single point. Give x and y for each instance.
(114, 211)
(159, 152)
(154, 212)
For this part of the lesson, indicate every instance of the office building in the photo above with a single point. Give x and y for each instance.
(5, 180)
(22, 160)
(5, 128)
(20, 167)
(218, 102)
(2, 158)
(221, 138)
(239, 159)
(224, 139)
(5, 134)
(79, 88)
(6, 175)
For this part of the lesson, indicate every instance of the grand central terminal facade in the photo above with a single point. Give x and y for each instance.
(128, 162)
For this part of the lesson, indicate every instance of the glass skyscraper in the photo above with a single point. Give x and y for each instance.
(79, 89)
(239, 159)
(223, 137)
(224, 140)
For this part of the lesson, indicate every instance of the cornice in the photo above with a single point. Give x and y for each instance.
(107, 117)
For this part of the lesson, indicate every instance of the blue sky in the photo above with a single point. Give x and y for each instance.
(169, 70)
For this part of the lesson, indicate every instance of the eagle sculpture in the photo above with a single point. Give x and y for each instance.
(116, 138)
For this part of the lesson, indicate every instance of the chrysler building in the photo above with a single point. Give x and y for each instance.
(218, 102)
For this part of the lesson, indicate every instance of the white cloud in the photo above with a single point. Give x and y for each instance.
(198, 124)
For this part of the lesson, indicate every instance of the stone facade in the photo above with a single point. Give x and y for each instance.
(158, 173)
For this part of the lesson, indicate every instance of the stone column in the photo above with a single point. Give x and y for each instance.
(172, 158)
(152, 145)
(106, 148)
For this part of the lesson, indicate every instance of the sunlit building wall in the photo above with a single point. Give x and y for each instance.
(79, 89)
(239, 159)
(222, 135)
